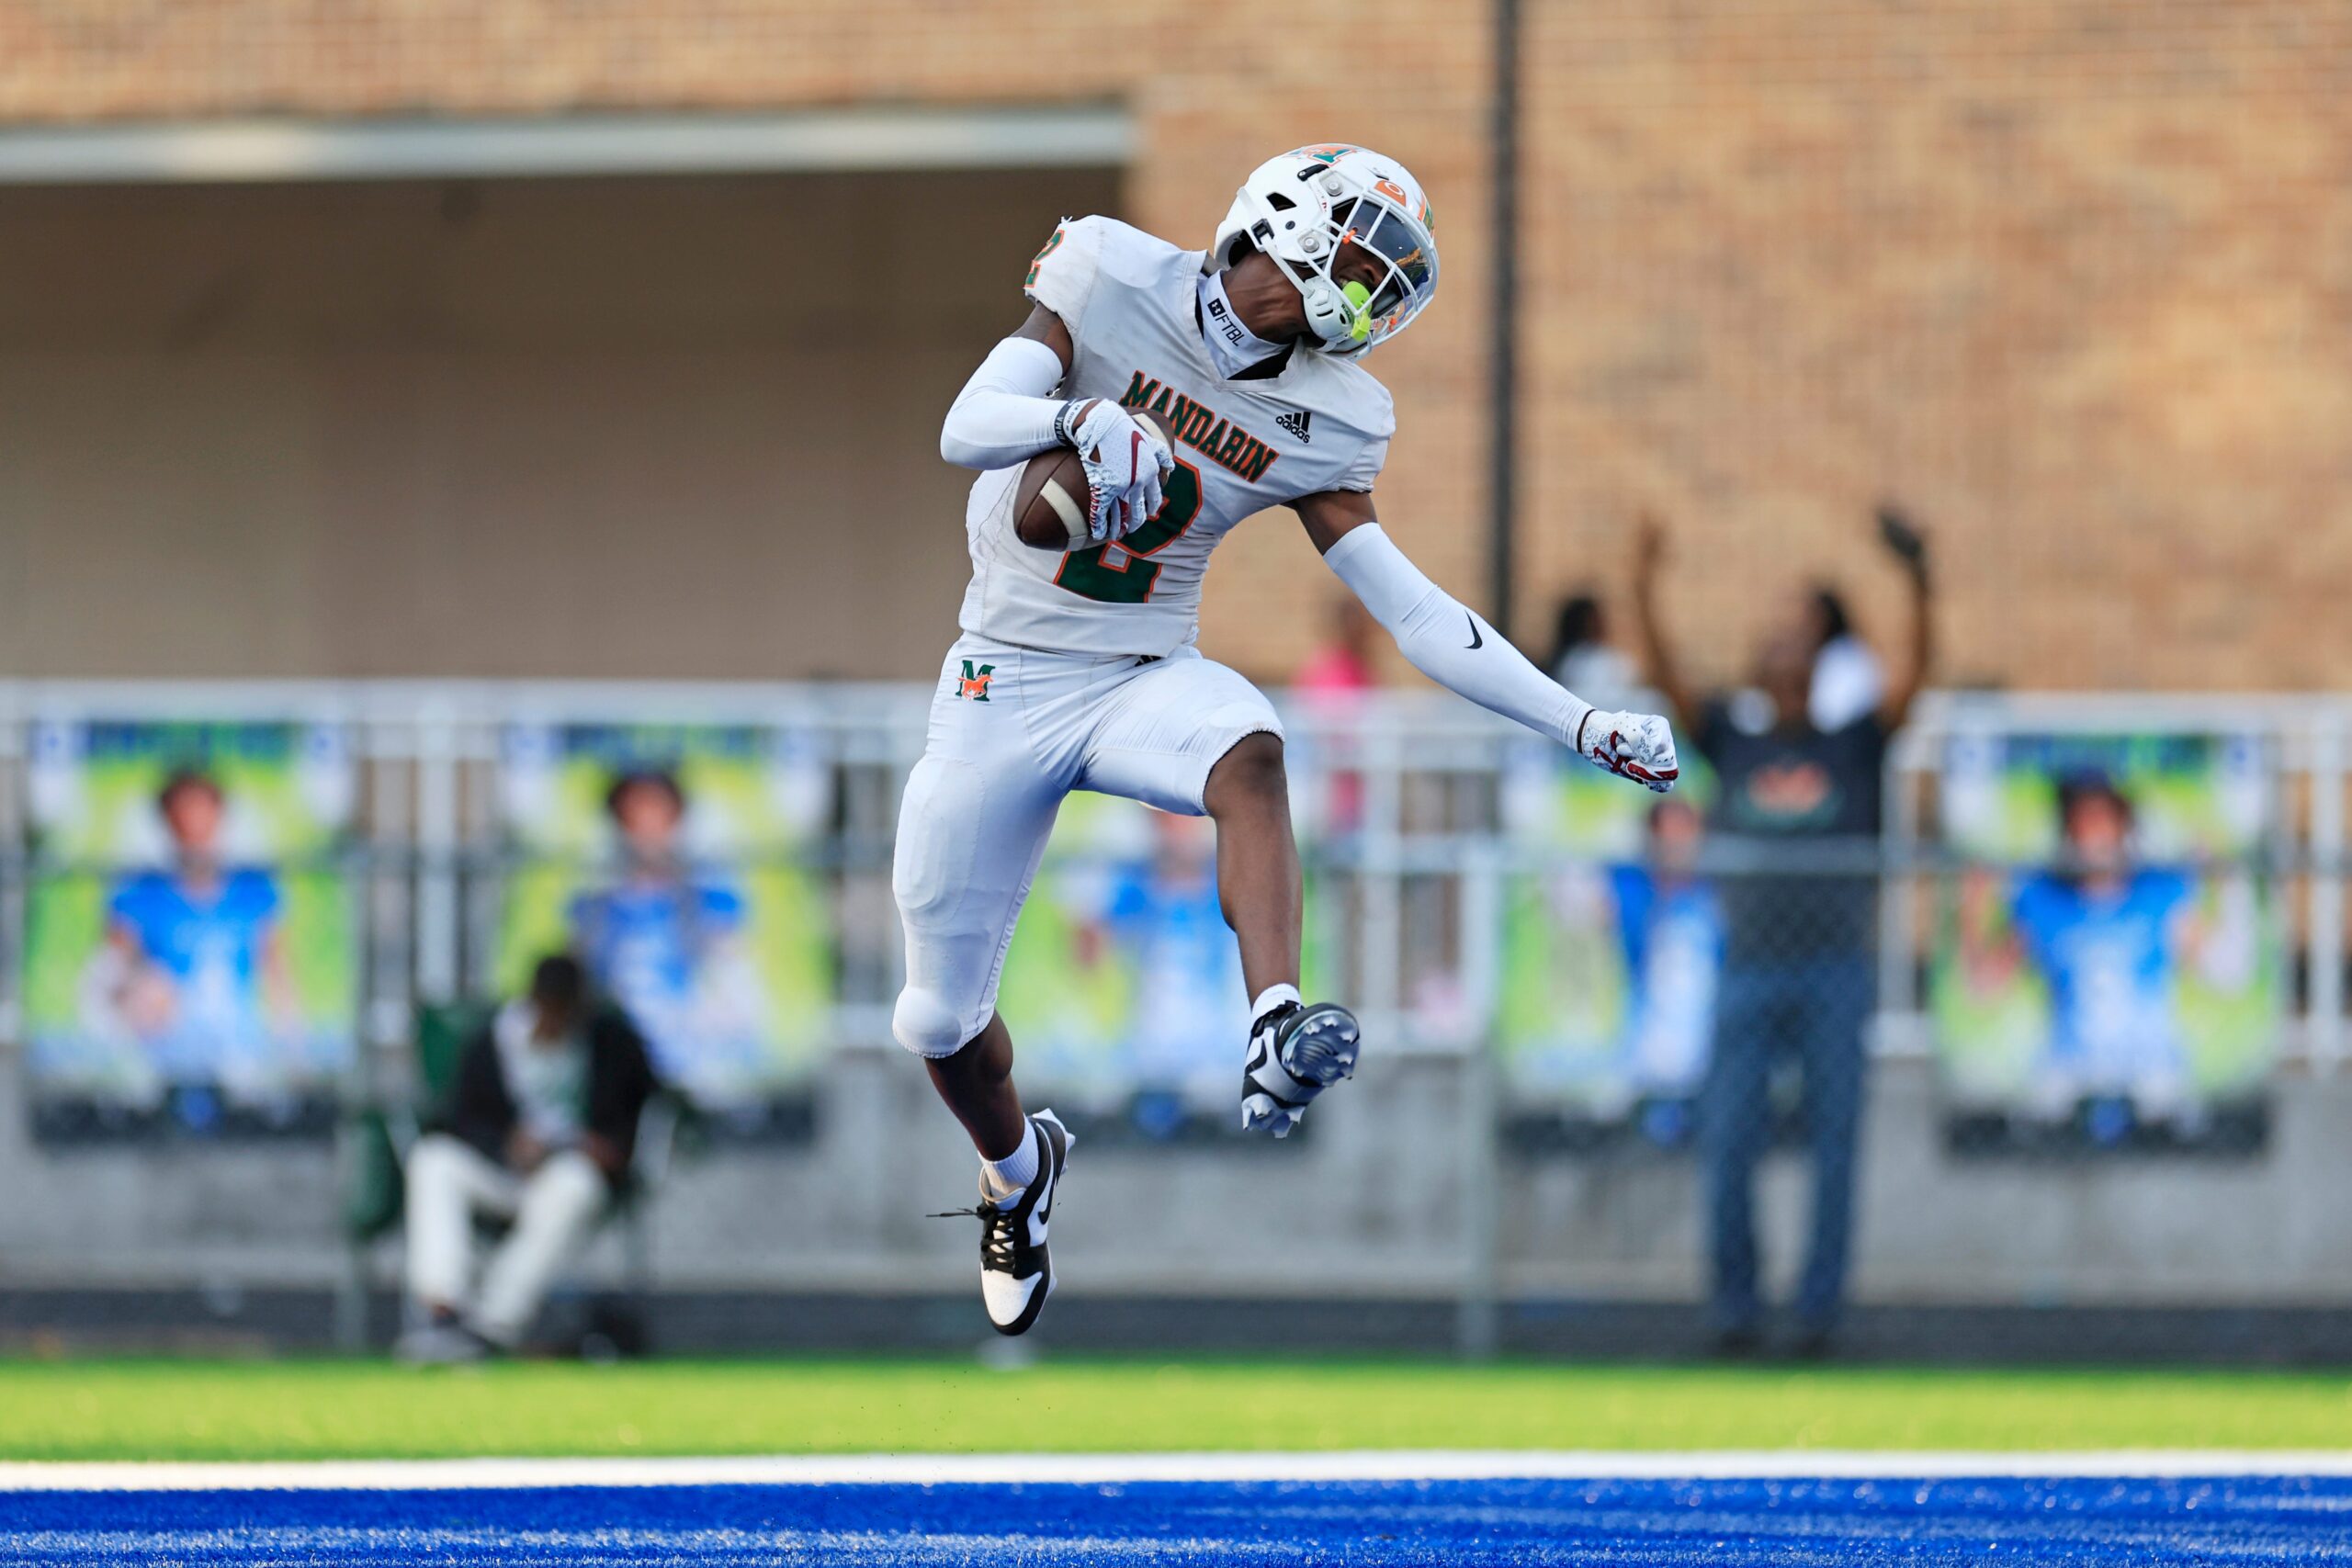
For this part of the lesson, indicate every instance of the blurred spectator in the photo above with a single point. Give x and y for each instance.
(1332, 685)
(668, 946)
(194, 967)
(1798, 808)
(1165, 913)
(1341, 665)
(2110, 939)
(540, 1130)
(1583, 660)
(1847, 681)
(1671, 921)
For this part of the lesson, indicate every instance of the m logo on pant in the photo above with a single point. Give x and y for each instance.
(974, 684)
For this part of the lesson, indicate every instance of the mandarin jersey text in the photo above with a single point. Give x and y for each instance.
(1201, 427)
(1129, 302)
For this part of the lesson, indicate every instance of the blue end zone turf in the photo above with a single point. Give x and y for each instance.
(2235, 1520)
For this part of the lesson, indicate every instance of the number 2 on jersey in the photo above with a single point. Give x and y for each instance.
(1039, 259)
(1089, 574)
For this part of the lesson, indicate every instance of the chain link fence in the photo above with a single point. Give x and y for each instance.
(2062, 1039)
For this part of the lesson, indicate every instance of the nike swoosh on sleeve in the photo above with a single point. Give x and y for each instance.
(1477, 638)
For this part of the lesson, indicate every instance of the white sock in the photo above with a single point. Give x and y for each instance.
(1271, 997)
(1003, 1179)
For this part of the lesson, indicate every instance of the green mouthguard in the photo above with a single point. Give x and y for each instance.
(1360, 319)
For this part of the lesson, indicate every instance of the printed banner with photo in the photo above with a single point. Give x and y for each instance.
(1612, 950)
(2112, 970)
(190, 959)
(1123, 987)
(671, 858)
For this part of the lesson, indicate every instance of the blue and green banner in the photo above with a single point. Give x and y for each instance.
(673, 860)
(1123, 987)
(1114, 918)
(189, 947)
(1612, 946)
(2110, 956)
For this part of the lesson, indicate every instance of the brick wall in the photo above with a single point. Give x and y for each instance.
(2072, 278)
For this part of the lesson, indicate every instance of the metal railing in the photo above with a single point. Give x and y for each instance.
(1430, 832)
(1430, 772)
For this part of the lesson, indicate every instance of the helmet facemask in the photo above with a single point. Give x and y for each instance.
(1351, 314)
(1351, 232)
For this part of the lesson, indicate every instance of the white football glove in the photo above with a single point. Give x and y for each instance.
(1125, 462)
(1636, 745)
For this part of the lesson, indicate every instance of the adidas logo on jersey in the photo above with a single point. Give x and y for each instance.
(1297, 424)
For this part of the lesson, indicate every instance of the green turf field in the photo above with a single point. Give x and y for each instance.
(161, 1409)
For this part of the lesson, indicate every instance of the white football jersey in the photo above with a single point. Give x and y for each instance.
(1131, 303)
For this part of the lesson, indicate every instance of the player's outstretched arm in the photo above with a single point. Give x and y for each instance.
(1449, 643)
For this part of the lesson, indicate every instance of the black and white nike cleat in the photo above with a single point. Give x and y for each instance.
(1016, 1269)
(1295, 1052)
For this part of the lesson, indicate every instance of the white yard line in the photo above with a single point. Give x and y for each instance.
(1108, 1468)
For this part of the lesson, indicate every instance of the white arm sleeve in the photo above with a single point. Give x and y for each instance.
(1446, 642)
(1003, 415)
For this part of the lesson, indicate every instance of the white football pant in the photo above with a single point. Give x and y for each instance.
(1012, 730)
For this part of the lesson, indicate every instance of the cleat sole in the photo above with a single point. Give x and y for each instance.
(1322, 1050)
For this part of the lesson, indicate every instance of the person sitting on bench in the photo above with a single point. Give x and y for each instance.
(538, 1131)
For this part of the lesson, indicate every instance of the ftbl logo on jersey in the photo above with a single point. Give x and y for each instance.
(974, 684)
(1220, 440)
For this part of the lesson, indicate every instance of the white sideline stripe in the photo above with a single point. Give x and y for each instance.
(1107, 1469)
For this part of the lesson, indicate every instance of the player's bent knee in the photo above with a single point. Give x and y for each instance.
(926, 1025)
(1250, 771)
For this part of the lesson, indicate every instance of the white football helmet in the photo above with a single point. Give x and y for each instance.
(1301, 208)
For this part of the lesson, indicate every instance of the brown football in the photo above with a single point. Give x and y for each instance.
(1055, 518)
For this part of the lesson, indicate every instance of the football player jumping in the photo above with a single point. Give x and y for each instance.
(1079, 671)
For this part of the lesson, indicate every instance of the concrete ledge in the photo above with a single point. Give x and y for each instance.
(816, 140)
(732, 1323)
